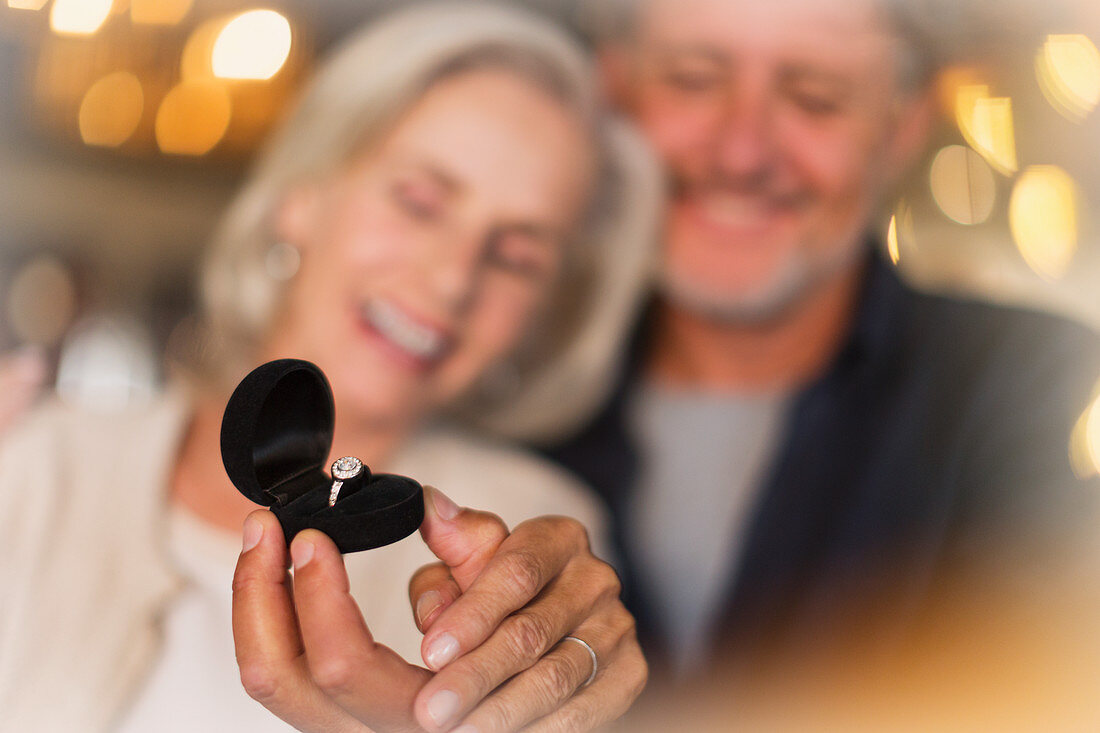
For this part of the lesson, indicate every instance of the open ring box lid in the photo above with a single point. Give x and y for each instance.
(276, 437)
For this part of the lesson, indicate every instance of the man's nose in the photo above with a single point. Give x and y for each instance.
(744, 138)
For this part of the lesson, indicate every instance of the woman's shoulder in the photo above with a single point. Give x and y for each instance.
(490, 474)
(57, 423)
(56, 442)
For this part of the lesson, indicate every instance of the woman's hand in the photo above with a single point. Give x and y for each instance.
(494, 612)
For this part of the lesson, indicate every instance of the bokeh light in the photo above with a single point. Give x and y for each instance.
(1085, 443)
(107, 365)
(111, 110)
(986, 124)
(193, 117)
(254, 45)
(79, 17)
(962, 185)
(159, 12)
(900, 231)
(197, 52)
(27, 4)
(1042, 214)
(1068, 69)
(41, 301)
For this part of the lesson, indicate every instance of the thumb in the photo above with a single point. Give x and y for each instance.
(464, 539)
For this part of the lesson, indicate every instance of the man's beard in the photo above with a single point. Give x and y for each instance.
(798, 277)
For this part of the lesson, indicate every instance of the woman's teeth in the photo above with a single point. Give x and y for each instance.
(421, 341)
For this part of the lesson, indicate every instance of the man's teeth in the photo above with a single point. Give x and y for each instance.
(737, 210)
(416, 338)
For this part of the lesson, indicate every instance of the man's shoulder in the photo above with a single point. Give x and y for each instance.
(976, 337)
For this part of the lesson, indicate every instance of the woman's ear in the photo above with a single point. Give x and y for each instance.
(296, 215)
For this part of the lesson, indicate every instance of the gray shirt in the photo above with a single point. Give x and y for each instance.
(704, 458)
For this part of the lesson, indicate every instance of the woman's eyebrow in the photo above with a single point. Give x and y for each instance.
(438, 174)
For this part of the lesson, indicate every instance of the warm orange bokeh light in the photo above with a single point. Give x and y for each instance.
(1068, 69)
(193, 117)
(962, 185)
(27, 4)
(1043, 217)
(111, 110)
(79, 17)
(986, 124)
(159, 12)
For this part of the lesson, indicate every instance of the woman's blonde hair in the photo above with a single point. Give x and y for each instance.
(564, 368)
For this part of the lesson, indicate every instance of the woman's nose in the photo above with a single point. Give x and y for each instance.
(454, 267)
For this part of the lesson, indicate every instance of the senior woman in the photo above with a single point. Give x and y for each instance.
(422, 227)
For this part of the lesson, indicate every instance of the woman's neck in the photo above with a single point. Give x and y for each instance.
(200, 484)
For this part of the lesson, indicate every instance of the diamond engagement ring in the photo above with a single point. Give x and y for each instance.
(343, 469)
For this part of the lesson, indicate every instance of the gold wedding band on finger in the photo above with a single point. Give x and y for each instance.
(591, 653)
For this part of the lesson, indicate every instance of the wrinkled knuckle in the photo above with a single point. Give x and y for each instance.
(572, 719)
(639, 676)
(261, 682)
(610, 580)
(243, 579)
(522, 573)
(476, 674)
(575, 531)
(494, 715)
(624, 623)
(334, 674)
(528, 636)
(557, 680)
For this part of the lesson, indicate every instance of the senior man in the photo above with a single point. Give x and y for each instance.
(800, 438)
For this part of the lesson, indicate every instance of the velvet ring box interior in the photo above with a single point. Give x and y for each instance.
(276, 438)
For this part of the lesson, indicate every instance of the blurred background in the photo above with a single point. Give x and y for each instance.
(125, 126)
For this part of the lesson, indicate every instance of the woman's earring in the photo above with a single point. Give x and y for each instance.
(282, 261)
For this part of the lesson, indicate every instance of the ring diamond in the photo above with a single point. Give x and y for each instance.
(343, 469)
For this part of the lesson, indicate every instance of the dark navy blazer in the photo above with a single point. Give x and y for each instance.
(939, 431)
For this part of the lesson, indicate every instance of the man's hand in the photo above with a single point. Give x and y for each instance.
(494, 612)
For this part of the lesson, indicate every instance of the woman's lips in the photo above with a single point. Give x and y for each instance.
(406, 336)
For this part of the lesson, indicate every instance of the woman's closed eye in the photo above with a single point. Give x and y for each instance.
(424, 201)
(521, 251)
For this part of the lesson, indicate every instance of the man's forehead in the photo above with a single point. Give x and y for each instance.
(735, 27)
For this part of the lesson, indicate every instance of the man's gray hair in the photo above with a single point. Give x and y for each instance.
(911, 21)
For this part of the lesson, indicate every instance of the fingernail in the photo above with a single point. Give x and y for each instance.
(441, 651)
(253, 532)
(442, 706)
(301, 551)
(465, 728)
(426, 605)
(444, 507)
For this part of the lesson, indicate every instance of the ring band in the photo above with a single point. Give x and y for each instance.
(591, 653)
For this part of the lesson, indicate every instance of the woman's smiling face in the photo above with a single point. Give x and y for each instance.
(424, 259)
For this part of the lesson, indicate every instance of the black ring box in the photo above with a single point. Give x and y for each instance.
(275, 439)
